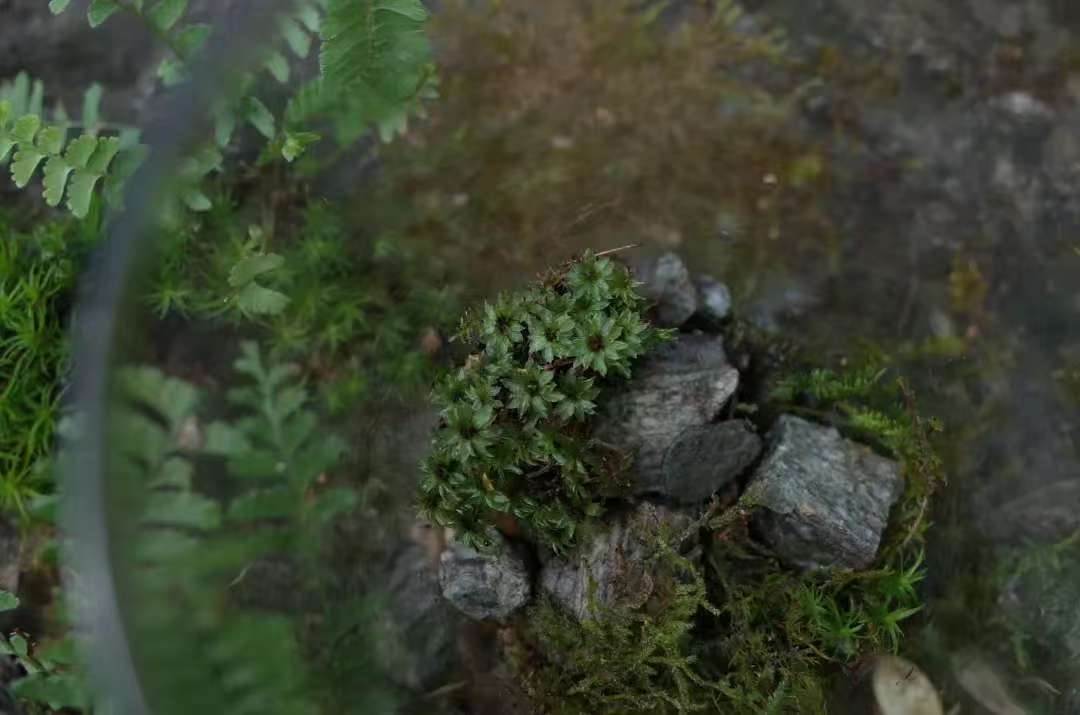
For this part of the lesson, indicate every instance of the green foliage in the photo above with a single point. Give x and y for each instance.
(304, 291)
(76, 168)
(194, 544)
(37, 279)
(513, 437)
(620, 660)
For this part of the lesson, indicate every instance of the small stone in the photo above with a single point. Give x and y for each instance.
(684, 383)
(901, 688)
(485, 585)
(705, 458)
(822, 501)
(667, 284)
(714, 299)
(615, 567)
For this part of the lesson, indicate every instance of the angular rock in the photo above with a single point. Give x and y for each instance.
(667, 284)
(821, 500)
(714, 299)
(683, 384)
(485, 585)
(705, 458)
(418, 627)
(615, 565)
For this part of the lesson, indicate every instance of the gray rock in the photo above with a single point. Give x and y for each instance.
(614, 567)
(705, 458)
(683, 384)
(1043, 605)
(418, 627)
(667, 284)
(487, 585)
(714, 299)
(822, 500)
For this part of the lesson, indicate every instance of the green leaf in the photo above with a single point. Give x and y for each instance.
(79, 151)
(412, 9)
(103, 155)
(257, 300)
(196, 200)
(27, 159)
(91, 112)
(248, 269)
(167, 13)
(58, 6)
(224, 440)
(192, 39)
(259, 116)
(224, 126)
(296, 143)
(278, 66)
(8, 601)
(100, 11)
(298, 40)
(271, 503)
(172, 72)
(57, 171)
(81, 192)
(51, 140)
(59, 691)
(309, 16)
(182, 509)
(26, 128)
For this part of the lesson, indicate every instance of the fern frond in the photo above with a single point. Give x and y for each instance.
(379, 43)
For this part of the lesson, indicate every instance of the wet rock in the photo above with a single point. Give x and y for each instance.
(1024, 107)
(822, 500)
(984, 685)
(705, 458)
(485, 585)
(714, 299)
(667, 284)
(683, 384)
(616, 566)
(419, 628)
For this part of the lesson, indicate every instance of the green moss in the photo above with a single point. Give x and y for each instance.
(37, 280)
(620, 660)
(513, 437)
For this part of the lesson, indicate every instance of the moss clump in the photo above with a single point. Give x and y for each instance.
(748, 635)
(621, 660)
(514, 437)
(37, 280)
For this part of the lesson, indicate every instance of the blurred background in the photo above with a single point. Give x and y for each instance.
(900, 177)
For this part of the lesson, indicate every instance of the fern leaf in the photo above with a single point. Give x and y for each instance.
(101, 10)
(167, 13)
(58, 6)
(57, 171)
(379, 44)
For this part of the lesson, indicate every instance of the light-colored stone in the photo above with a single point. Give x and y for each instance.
(486, 585)
(822, 501)
(614, 567)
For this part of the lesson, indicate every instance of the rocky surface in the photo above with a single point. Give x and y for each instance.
(615, 566)
(705, 458)
(666, 282)
(714, 299)
(684, 384)
(485, 585)
(822, 500)
(418, 627)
